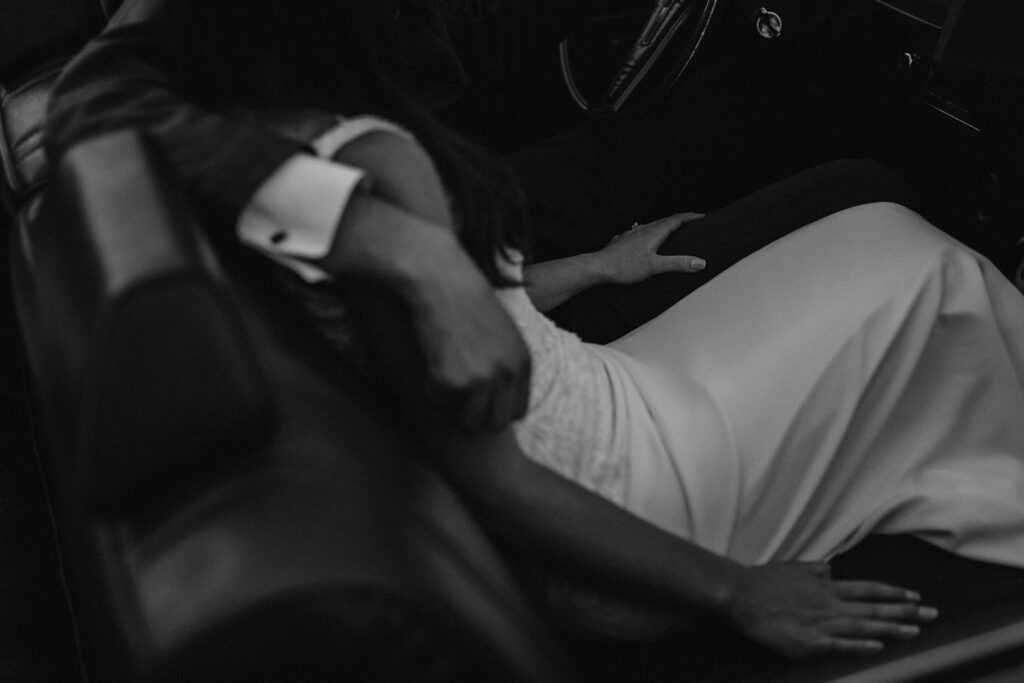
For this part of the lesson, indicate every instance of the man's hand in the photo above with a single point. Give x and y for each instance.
(796, 609)
(402, 237)
(477, 365)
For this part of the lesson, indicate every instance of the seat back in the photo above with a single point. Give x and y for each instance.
(210, 530)
(229, 501)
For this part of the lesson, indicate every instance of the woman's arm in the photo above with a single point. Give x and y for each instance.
(794, 608)
(630, 257)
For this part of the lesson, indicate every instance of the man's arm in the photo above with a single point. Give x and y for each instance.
(135, 75)
(401, 234)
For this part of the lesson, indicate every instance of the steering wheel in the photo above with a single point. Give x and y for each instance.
(661, 53)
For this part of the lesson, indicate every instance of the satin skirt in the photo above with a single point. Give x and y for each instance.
(864, 374)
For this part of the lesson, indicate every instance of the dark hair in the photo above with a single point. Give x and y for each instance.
(343, 56)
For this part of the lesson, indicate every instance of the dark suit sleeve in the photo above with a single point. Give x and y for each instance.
(135, 75)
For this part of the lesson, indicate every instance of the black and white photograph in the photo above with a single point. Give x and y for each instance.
(531, 341)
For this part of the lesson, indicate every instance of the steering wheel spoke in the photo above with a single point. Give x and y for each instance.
(660, 54)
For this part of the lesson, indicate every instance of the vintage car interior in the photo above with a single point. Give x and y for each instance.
(195, 489)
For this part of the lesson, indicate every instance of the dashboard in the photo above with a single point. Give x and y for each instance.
(944, 79)
(901, 44)
(964, 58)
(933, 87)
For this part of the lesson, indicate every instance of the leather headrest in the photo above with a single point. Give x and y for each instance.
(22, 113)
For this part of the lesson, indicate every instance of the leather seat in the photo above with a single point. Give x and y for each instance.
(224, 511)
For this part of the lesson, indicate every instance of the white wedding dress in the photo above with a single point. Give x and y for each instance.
(863, 374)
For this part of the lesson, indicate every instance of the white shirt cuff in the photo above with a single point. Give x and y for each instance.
(295, 212)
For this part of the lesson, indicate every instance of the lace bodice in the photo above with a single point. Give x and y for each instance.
(569, 425)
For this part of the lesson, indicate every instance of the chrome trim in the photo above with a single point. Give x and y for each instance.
(943, 657)
(907, 14)
(935, 103)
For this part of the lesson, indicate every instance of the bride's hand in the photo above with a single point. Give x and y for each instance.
(798, 610)
(633, 255)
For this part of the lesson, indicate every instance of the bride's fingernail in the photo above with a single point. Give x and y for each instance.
(909, 630)
(912, 596)
(927, 612)
(698, 263)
